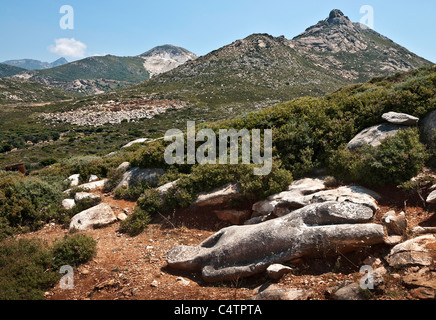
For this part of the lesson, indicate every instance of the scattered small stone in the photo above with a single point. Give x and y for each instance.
(154, 284)
(277, 271)
(121, 216)
(183, 281)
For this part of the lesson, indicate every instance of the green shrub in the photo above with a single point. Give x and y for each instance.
(27, 203)
(114, 177)
(74, 250)
(136, 223)
(149, 204)
(396, 160)
(26, 270)
(47, 162)
(86, 166)
(150, 156)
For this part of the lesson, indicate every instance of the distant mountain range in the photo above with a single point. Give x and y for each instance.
(251, 73)
(261, 70)
(31, 64)
(98, 74)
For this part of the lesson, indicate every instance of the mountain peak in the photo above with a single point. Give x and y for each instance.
(167, 49)
(336, 13)
(166, 57)
(337, 17)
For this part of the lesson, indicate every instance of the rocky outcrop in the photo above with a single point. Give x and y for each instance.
(131, 143)
(219, 196)
(428, 128)
(401, 119)
(396, 224)
(90, 186)
(277, 271)
(135, 175)
(97, 216)
(68, 204)
(419, 251)
(316, 230)
(431, 197)
(84, 196)
(73, 180)
(374, 135)
(287, 201)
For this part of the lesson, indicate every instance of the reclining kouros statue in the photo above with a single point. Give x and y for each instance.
(316, 230)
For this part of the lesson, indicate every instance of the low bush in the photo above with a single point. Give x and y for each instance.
(133, 192)
(398, 159)
(73, 250)
(149, 204)
(27, 203)
(26, 270)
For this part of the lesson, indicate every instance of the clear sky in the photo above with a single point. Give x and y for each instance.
(31, 28)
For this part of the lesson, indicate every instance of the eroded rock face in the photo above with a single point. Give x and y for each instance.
(316, 230)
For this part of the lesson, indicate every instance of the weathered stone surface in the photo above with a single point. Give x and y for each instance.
(93, 185)
(73, 180)
(122, 216)
(295, 199)
(142, 140)
(232, 216)
(400, 118)
(317, 230)
(68, 204)
(93, 177)
(135, 175)
(124, 166)
(431, 197)
(274, 292)
(374, 135)
(423, 282)
(277, 271)
(349, 292)
(218, 196)
(81, 196)
(353, 194)
(396, 224)
(97, 216)
(416, 251)
(163, 189)
(428, 128)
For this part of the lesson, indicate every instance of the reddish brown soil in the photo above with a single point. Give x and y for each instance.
(135, 268)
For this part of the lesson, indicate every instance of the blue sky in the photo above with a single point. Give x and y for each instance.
(130, 27)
